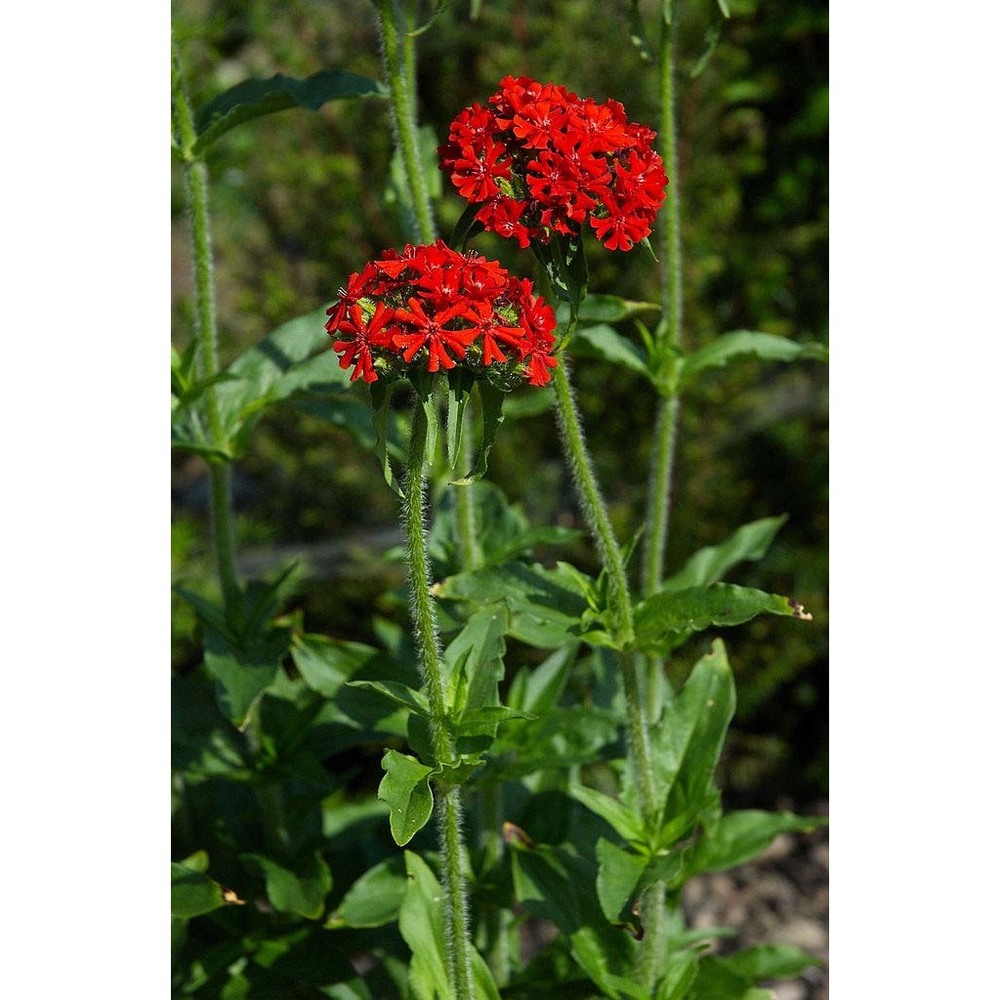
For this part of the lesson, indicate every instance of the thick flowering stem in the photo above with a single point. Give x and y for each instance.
(447, 798)
(398, 62)
(206, 334)
(588, 493)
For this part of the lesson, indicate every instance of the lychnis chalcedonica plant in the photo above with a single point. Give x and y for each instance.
(546, 792)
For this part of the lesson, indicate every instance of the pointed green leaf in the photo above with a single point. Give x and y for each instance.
(253, 98)
(741, 835)
(716, 981)
(769, 961)
(710, 564)
(474, 660)
(401, 694)
(606, 343)
(301, 888)
(670, 616)
(688, 742)
(627, 824)
(460, 383)
(747, 343)
(603, 309)
(407, 792)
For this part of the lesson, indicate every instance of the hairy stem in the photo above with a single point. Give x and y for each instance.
(206, 334)
(588, 493)
(398, 57)
(447, 797)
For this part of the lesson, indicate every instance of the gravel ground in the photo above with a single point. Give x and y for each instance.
(781, 897)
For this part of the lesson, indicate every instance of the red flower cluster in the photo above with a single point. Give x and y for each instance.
(540, 160)
(432, 304)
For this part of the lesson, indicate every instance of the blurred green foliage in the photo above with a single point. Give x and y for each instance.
(299, 202)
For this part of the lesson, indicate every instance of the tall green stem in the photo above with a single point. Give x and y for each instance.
(447, 798)
(206, 334)
(398, 62)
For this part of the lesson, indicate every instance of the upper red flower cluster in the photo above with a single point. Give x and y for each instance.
(542, 159)
(435, 304)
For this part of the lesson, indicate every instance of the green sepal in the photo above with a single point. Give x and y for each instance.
(253, 98)
(406, 790)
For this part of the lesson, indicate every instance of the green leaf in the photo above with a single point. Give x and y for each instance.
(618, 875)
(627, 824)
(253, 98)
(401, 694)
(474, 661)
(712, 35)
(724, 7)
(192, 892)
(769, 961)
(746, 343)
(688, 741)
(604, 309)
(421, 923)
(374, 899)
(716, 981)
(556, 885)
(710, 564)
(242, 670)
(300, 889)
(668, 618)
(467, 227)
(407, 792)
(538, 689)
(606, 343)
(326, 664)
(741, 835)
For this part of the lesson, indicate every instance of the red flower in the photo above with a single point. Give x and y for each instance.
(542, 160)
(435, 308)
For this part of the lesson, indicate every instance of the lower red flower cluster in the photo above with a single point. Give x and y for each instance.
(540, 159)
(431, 304)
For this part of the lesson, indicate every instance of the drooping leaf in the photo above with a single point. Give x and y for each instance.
(401, 694)
(669, 617)
(381, 393)
(299, 888)
(746, 343)
(407, 792)
(710, 564)
(253, 98)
